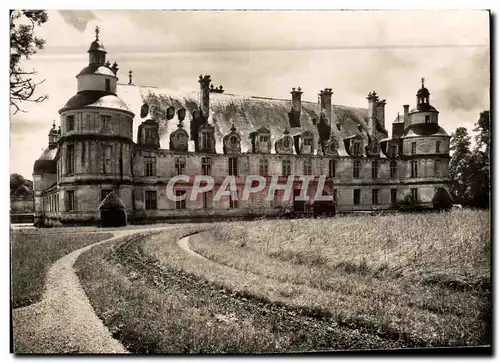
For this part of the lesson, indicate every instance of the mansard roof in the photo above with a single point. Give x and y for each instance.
(429, 129)
(97, 99)
(247, 113)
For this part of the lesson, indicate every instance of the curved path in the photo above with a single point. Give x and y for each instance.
(64, 321)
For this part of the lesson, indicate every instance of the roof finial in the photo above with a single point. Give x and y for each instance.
(97, 32)
(53, 124)
(129, 77)
(423, 80)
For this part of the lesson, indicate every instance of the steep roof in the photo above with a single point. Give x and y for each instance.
(430, 129)
(46, 163)
(247, 113)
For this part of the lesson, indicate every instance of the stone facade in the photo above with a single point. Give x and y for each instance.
(210, 132)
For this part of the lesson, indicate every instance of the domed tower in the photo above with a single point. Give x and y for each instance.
(45, 172)
(425, 148)
(95, 142)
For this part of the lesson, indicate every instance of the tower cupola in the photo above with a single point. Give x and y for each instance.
(423, 95)
(53, 136)
(97, 52)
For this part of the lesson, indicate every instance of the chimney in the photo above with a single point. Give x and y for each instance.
(372, 113)
(326, 103)
(381, 113)
(406, 115)
(297, 100)
(205, 94)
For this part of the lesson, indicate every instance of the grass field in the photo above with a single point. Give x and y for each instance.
(295, 285)
(32, 253)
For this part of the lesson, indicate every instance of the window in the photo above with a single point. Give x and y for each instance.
(180, 165)
(335, 195)
(108, 85)
(356, 196)
(308, 142)
(394, 195)
(104, 193)
(307, 167)
(180, 204)
(105, 121)
(70, 159)
(57, 202)
(286, 168)
(374, 196)
(233, 202)
(414, 147)
(149, 166)
(375, 169)
(70, 200)
(356, 149)
(207, 199)
(332, 168)
(233, 166)
(150, 199)
(70, 122)
(414, 195)
(438, 146)
(106, 159)
(149, 136)
(356, 164)
(206, 165)
(205, 140)
(414, 169)
(427, 119)
(394, 169)
(264, 167)
(437, 167)
(263, 138)
(394, 150)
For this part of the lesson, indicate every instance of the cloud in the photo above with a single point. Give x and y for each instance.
(467, 82)
(78, 19)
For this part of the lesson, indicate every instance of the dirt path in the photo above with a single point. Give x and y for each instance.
(64, 321)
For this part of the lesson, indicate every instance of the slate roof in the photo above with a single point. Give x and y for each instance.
(247, 113)
(95, 99)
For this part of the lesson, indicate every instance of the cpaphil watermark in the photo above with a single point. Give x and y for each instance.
(303, 188)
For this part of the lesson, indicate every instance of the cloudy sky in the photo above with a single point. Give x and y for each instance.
(266, 54)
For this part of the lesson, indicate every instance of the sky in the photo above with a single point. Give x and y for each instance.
(266, 54)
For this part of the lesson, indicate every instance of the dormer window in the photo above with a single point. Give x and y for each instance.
(356, 149)
(263, 138)
(150, 136)
(234, 141)
(205, 140)
(108, 85)
(394, 150)
(307, 142)
(287, 143)
(427, 119)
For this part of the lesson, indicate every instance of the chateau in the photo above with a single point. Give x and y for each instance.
(212, 132)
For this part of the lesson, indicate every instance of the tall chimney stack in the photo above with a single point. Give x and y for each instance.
(297, 100)
(205, 94)
(372, 113)
(381, 113)
(406, 115)
(326, 103)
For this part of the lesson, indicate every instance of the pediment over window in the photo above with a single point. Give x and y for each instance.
(331, 147)
(179, 139)
(304, 143)
(284, 145)
(231, 143)
(373, 149)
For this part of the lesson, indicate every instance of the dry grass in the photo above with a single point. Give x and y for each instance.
(33, 252)
(425, 277)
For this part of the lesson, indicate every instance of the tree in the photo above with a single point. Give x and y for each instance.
(24, 43)
(16, 180)
(460, 164)
(478, 189)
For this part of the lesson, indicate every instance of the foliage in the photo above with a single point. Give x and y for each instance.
(16, 180)
(24, 43)
(470, 169)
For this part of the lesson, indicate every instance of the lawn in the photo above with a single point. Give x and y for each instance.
(33, 252)
(298, 285)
